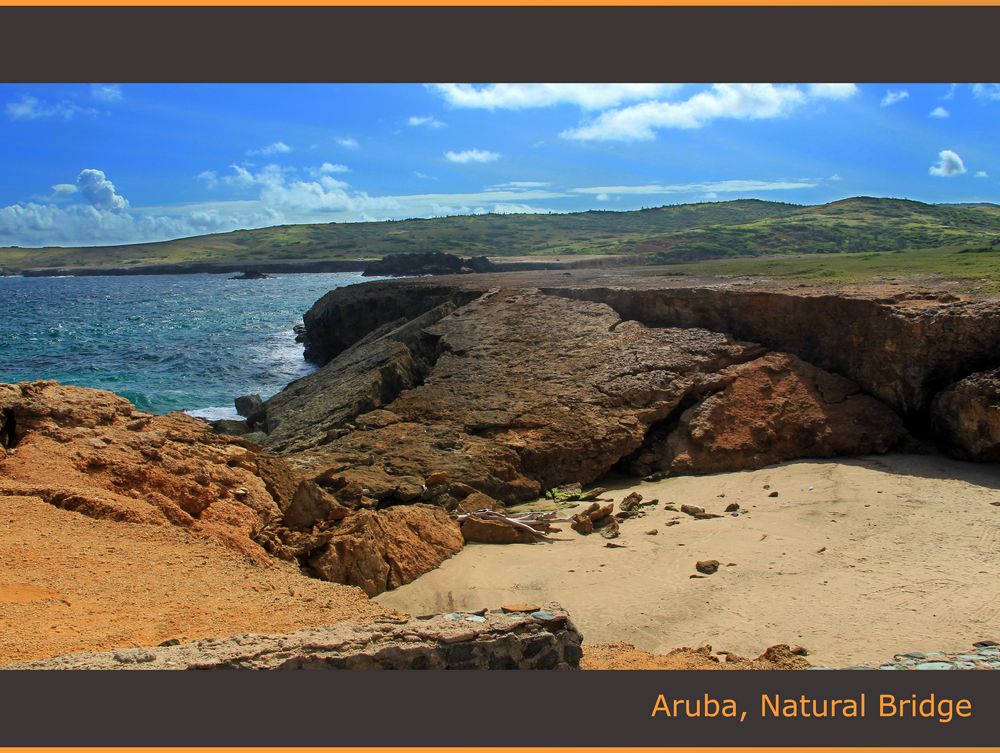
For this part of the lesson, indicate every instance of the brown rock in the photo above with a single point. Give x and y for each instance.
(581, 523)
(707, 567)
(732, 507)
(382, 550)
(493, 531)
(92, 452)
(479, 501)
(631, 502)
(599, 512)
(692, 510)
(966, 417)
(772, 409)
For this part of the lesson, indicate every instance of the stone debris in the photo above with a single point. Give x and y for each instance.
(530, 637)
(707, 567)
(984, 655)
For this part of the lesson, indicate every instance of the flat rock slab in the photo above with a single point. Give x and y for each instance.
(544, 639)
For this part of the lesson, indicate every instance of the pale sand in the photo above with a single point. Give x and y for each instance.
(911, 559)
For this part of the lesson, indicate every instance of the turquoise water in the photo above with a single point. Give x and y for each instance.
(165, 342)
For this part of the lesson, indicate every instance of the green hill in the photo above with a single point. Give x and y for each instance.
(669, 234)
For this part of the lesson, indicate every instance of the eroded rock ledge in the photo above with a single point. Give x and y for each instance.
(545, 639)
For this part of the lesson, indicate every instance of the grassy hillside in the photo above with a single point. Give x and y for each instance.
(848, 226)
(670, 234)
(978, 266)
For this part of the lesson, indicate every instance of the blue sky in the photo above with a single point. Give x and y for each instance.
(108, 163)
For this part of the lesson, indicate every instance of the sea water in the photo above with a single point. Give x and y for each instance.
(165, 342)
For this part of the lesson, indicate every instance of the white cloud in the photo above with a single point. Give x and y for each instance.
(948, 164)
(347, 142)
(328, 168)
(471, 155)
(832, 91)
(893, 96)
(939, 112)
(278, 147)
(835, 177)
(734, 101)
(986, 91)
(63, 190)
(424, 120)
(423, 176)
(32, 108)
(94, 213)
(722, 186)
(950, 94)
(982, 174)
(515, 185)
(99, 192)
(109, 93)
(524, 96)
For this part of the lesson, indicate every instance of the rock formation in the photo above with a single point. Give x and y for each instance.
(899, 344)
(966, 416)
(90, 451)
(771, 409)
(545, 639)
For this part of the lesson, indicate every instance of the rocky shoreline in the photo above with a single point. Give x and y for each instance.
(439, 397)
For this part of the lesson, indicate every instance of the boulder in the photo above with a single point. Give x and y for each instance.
(768, 410)
(231, 427)
(493, 531)
(381, 550)
(248, 405)
(965, 417)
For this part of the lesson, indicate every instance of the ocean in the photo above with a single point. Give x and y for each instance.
(166, 342)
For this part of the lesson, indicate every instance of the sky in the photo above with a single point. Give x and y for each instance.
(102, 164)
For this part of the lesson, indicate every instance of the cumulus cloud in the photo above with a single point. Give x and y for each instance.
(982, 174)
(893, 97)
(524, 96)
(471, 155)
(109, 93)
(939, 112)
(63, 190)
(278, 147)
(948, 164)
(986, 91)
(99, 192)
(717, 187)
(347, 142)
(32, 108)
(92, 212)
(424, 120)
(721, 101)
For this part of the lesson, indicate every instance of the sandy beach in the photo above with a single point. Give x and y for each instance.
(854, 559)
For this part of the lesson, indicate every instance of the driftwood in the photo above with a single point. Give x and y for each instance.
(535, 523)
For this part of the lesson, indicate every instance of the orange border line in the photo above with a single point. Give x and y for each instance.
(759, 749)
(497, 3)
(527, 749)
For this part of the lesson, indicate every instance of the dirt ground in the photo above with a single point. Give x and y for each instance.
(855, 559)
(71, 583)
